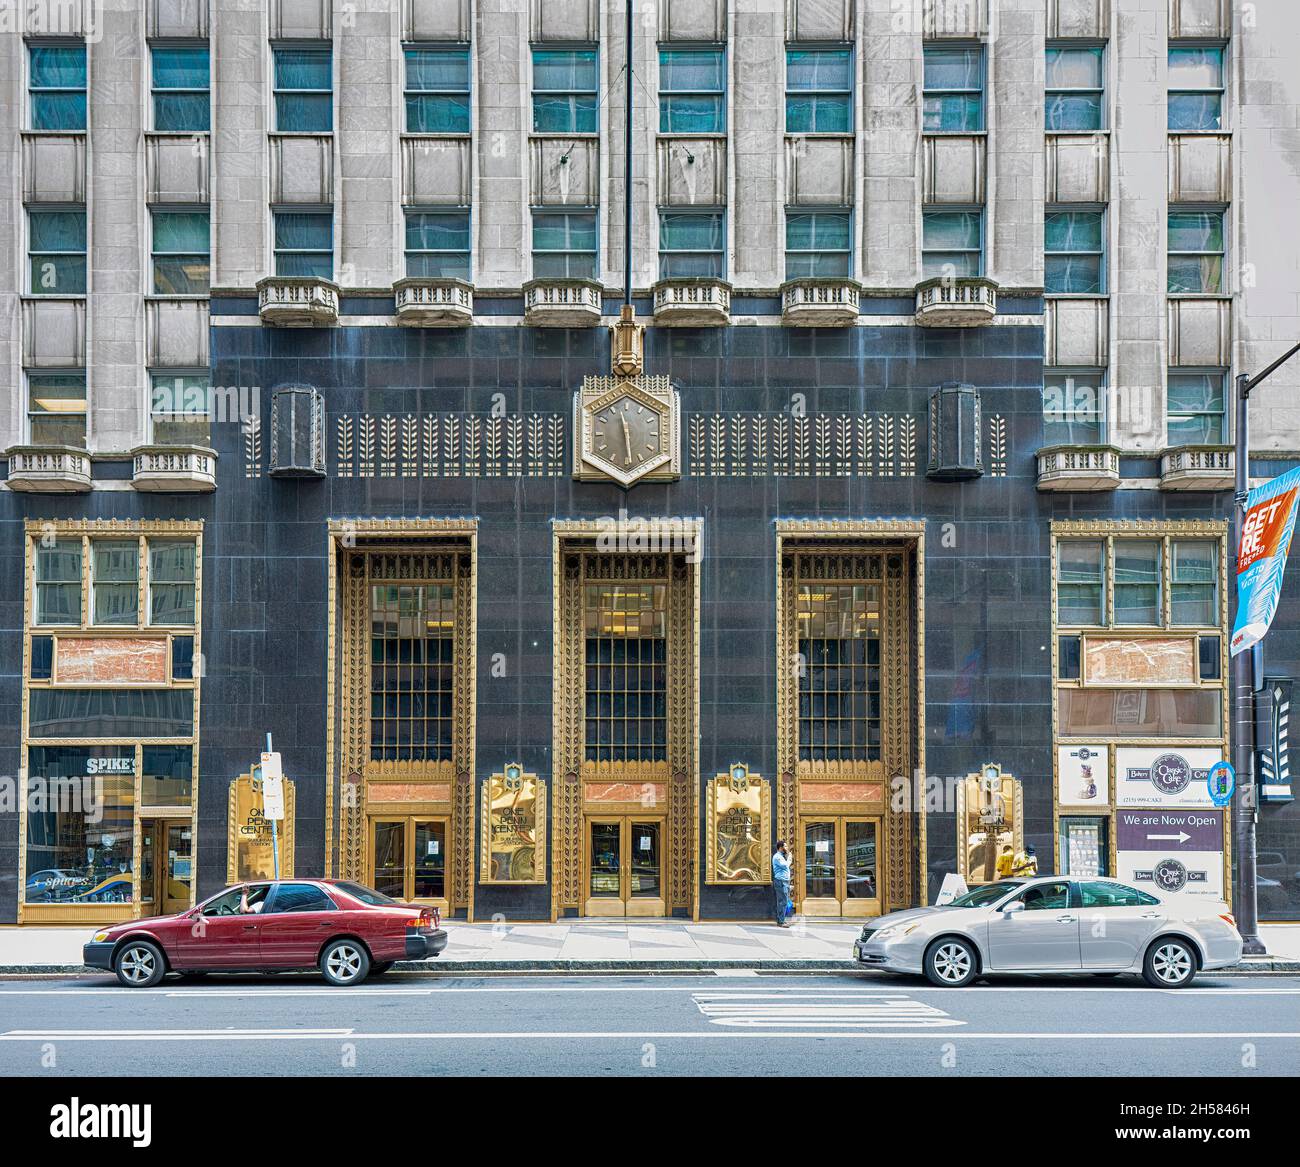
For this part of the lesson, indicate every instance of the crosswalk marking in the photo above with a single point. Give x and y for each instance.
(821, 1010)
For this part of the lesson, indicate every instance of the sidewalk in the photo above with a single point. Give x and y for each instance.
(606, 946)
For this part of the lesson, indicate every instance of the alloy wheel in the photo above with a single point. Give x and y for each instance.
(344, 962)
(952, 962)
(138, 965)
(1172, 963)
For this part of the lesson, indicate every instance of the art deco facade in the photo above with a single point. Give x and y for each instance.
(315, 425)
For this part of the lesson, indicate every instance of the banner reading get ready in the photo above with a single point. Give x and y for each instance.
(1261, 558)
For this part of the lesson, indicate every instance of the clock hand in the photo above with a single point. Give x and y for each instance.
(627, 443)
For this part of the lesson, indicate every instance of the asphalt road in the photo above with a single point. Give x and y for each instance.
(849, 1024)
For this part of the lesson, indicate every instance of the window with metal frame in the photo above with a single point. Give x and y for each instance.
(56, 407)
(58, 582)
(438, 242)
(953, 90)
(115, 581)
(1195, 408)
(1074, 244)
(437, 92)
(303, 89)
(565, 91)
(180, 87)
(1076, 89)
(818, 244)
(56, 86)
(693, 90)
(181, 253)
(818, 90)
(1074, 407)
(56, 252)
(412, 675)
(691, 243)
(838, 626)
(1194, 583)
(626, 673)
(171, 581)
(1137, 582)
(1081, 583)
(1196, 88)
(564, 244)
(1196, 252)
(180, 409)
(952, 244)
(304, 243)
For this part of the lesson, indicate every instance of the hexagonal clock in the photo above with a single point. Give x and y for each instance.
(626, 429)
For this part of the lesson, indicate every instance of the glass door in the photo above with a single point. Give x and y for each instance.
(840, 874)
(408, 858)
(624, 874)
(149, 905)
(178, 869)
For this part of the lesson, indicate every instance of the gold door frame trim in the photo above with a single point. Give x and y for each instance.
(71, 914)
(1108, 530)
(349, 540)
(903, 540)
(568, 700)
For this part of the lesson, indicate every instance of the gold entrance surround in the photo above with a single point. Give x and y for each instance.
(583, 789)
(357, 787)
(893, 551)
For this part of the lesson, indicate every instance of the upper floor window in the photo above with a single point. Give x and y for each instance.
(1194, 582)
(304, 244)
(56, 409)
(1196, 251)
(171, 581)
(1138, 577)
(1195, 88)
(304, 90)
(57, 87)
(839, 685)
(437, 243)
(818, 91)
(437, 91)
(691, 243)
(58, 582)
(412, 676)
(626, 671)
(953, 90)
(1081, 582)
(1074, 407)
(1137, 581)
(692, 91)
(952, 244)
(1075, 89)
(818, 243)
(56, 252)
(1195, 412)
(1075, 246)
(180, 409)
(564, 245)
(115, 581)
(565, 90)
(180, 87)
(181, 261)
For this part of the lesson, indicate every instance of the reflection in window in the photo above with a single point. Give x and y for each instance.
(437, 243)
(564, 91)
(564, 245)
(168, 775)
(953, 90)
(1074, 89)
(1195, 88)
(56, 252)
(952, 244)
(180, 84)
(1137, 581)
(437, 91)
(692, 91)
(1194, 582)
(839, 681)
(1081, 582)
(180, 409)
(412, 683)
(304, 90)
(691, 243)
(1074, 407)
(1196, 251)
(171, 582)
(818, 91)
(1075, 249)
(181, 264)
(111, 713)
(1139, 713)
(626, 672)
(58, 582)
(56, 408)
(57, 87)
(818, 244)
(1195, 414)
(115, 580)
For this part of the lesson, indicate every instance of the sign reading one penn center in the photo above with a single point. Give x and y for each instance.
(1266, 534)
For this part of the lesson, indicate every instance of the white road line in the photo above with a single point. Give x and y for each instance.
(847, 1008)
(603, 1035)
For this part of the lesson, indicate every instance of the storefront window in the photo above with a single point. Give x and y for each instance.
(1084, 846)
(80, 824)
(111, 713)
(168, 776)
(1140, 712)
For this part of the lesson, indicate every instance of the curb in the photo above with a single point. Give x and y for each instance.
(1251, 966)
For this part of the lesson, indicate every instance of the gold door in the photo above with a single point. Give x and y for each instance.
(839, 871)
(625, 866)
(408, 858)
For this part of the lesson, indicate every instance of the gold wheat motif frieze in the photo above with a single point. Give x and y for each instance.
(820, 445)
(449, 445)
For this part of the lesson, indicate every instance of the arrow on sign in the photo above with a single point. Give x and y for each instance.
(1181, 837)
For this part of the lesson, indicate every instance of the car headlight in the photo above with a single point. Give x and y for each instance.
(894, 932)
(100, 937)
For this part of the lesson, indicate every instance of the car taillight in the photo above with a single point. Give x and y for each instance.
(1227, 918)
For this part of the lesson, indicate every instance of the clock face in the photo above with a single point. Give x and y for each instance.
(626, 433)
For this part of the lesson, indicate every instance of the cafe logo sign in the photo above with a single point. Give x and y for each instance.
(1170, 875)
(1171, 774)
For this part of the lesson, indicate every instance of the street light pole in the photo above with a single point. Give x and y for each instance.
(1245, 818)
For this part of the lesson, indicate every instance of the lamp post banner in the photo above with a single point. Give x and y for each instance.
(1266, 531)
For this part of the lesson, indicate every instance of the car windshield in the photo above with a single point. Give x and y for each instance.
(367, 895)
(983, 896)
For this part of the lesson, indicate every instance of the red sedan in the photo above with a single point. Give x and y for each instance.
(344, 929)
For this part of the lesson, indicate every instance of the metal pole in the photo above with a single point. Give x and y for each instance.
(627, 171)
(275, 834)
(1246, 811)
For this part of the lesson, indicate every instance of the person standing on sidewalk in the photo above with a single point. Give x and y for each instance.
(780, 882)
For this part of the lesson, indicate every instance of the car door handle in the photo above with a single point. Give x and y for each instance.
(250, 927)
(1150, 915)
(1065, 919)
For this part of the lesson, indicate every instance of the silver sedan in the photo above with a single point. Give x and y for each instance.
(1052, 924)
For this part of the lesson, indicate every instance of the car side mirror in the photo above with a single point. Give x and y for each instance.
(1013, 907)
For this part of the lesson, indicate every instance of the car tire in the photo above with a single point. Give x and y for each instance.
(139, 964)
(1170, 963)
(344, 962)
(951, 962)
(378, 970)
